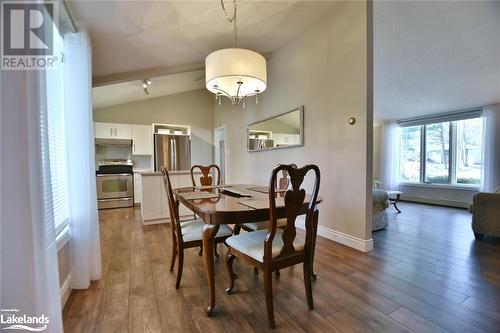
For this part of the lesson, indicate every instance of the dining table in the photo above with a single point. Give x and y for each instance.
(229, 204)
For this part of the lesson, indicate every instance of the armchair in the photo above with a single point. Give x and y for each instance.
(485, 211)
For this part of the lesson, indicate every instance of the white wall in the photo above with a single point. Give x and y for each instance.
(325, 68)
(193, 108)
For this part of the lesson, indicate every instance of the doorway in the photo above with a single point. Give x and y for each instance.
(220, 151)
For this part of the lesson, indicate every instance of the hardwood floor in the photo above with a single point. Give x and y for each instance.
(426, 274)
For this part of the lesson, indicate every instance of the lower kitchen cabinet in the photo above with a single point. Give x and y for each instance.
(154, 205)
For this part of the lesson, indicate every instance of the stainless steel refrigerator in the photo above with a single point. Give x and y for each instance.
(172, 151)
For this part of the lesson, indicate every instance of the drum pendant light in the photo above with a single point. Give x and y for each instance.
(235, 73)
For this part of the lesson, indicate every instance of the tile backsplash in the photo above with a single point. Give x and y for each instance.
(103, 152)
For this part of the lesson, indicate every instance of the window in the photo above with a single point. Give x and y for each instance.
(56, 191)
(469, 151)
(437, 153)
(410, 153)
(447, 152)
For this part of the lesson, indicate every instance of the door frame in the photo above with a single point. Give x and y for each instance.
(216, 131)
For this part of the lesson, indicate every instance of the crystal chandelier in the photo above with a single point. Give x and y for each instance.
(235, 73)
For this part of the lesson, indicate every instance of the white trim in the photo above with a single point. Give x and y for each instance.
(62, 238)
(444, 186)
(216, 130)
(155, 221)
(340, 237)
(439, 202)
(65, 290)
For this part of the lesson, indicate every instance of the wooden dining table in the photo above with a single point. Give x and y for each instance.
(227, 208)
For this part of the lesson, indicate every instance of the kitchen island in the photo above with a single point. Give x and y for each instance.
(154, 205)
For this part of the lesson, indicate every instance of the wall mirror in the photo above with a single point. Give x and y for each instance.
(282, 131)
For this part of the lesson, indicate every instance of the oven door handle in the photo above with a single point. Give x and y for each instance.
(113, 174)
(115, 199)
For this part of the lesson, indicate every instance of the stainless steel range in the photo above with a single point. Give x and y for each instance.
(115, 184)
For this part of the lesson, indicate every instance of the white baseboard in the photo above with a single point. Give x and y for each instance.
(439, 202)
(340, 237)
(158, 221)
(65, 290)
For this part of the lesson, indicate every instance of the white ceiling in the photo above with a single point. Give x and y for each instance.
(432, 57)
(134, 35)
(126, 92)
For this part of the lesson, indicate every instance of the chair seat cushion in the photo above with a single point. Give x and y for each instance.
(264, 224)
(252, 243)
(192, 230)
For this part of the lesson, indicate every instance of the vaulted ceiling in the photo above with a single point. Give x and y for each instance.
(429, 56)
(135, 35)
(435, 56)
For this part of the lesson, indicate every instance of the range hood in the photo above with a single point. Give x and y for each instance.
(113, 142)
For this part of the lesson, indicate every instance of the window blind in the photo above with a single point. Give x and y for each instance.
(441, 118)
(54, 150)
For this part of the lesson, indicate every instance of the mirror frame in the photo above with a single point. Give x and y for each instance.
(301, 125)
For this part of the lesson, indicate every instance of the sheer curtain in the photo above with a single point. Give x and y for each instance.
(84, 222)
(389, 155)
(490, 178)
(29, 271)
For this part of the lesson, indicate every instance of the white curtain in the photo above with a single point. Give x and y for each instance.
(389, 155)
(491, 148)
(84, 222)
(29, 272)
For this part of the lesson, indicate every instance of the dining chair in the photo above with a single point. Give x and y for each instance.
(273, 249)
(186, 234)
(206, 179)
(283, 184)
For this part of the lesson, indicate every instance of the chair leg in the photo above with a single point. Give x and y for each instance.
(268, 289)
(174, 254)
(179, 269)
(200, 253)
(277, 273)
(215, 251)
(229, 266)
(237, 229)
(307, 283)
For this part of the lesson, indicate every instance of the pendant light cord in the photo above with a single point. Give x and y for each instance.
(232, 20)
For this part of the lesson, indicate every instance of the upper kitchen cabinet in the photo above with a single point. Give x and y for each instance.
(123, 131)
(112, 131)
(142, 140)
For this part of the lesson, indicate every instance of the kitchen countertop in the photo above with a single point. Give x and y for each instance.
(158, 173)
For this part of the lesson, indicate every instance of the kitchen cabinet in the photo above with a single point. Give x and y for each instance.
(112, 131)
(151, 194)
(154, 205)
(137, 187)
(142, 140)
(123, 131)
(286, 139)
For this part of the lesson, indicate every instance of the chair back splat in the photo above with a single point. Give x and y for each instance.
(294, 200)
(173, 205)
(206, 179)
